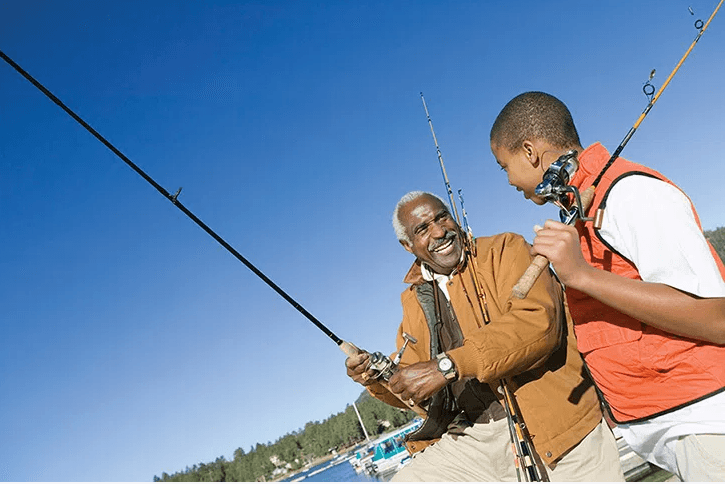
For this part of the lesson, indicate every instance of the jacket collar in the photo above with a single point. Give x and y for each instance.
(591, 161)
(415, 277)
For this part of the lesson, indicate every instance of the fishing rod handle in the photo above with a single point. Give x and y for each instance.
(540, 263)
(532, 273)
(351, 350)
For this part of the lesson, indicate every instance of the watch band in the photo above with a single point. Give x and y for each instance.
(447, 367)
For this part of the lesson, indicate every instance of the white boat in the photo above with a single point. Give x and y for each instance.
(386, 454)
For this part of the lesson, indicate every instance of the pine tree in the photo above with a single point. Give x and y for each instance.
(717, 239)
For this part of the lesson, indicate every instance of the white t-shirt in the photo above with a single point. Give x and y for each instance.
(640, 214)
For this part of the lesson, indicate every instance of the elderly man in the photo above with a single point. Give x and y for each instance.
(460, 358)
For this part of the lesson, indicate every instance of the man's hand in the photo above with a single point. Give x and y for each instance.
(357, 368)
(559, 243)
(418, 382)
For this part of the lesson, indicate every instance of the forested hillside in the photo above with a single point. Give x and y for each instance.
(717, 239)
(294, 450)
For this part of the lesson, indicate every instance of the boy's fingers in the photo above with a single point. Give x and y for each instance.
(553, 224)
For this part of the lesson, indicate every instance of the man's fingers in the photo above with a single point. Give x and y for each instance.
(355, 361)
(357, 367)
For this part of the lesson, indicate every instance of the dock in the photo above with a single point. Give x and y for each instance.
(637, 469)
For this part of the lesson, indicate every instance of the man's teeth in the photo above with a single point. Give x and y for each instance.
(444, 246)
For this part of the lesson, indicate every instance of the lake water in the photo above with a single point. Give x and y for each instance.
(342, 472)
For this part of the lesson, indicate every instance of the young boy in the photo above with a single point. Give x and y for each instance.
(646, 290)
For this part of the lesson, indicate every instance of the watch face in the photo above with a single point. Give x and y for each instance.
(445, 364)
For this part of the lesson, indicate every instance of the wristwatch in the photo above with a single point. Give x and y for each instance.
(447, 367)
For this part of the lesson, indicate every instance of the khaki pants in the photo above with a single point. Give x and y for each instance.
(700, 457)
(484, 454)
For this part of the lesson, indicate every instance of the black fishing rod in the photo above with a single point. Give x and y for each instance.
(381, 365)
(175, 200)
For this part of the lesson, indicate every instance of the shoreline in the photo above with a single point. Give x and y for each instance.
(314, 462)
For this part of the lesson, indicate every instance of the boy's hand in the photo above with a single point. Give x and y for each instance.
(560, 244)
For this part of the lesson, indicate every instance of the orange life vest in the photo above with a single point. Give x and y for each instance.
(641, 372)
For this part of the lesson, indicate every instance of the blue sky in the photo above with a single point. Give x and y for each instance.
(131, 343)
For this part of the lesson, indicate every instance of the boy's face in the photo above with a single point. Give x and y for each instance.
(524, 170)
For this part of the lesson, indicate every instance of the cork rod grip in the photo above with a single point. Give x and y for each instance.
(349, 349)
(526, 281)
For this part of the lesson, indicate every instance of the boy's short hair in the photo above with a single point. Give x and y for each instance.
(534, 116)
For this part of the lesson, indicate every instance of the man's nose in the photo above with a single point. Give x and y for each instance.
(437, 230)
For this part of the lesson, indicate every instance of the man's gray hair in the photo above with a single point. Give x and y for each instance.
(400, 231)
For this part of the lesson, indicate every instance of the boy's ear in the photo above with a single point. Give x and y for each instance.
(532, 154)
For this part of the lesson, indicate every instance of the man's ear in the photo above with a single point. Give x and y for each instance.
(406, 245)
(531, 153)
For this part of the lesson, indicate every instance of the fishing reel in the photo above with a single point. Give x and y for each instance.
(555, 187)
(382, 366)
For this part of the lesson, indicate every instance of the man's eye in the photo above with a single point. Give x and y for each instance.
(502, 168)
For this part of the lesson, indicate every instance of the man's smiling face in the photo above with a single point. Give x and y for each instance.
(434, 235)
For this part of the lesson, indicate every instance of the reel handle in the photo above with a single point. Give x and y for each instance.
(526, 281)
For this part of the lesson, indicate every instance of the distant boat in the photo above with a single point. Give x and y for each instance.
(386, 454)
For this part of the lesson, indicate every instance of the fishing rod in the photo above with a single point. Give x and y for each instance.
(175, 200)
(381, 365)
(555, 185)
(529, 467)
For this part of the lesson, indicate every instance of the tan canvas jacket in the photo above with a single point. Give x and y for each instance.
(531, 340)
